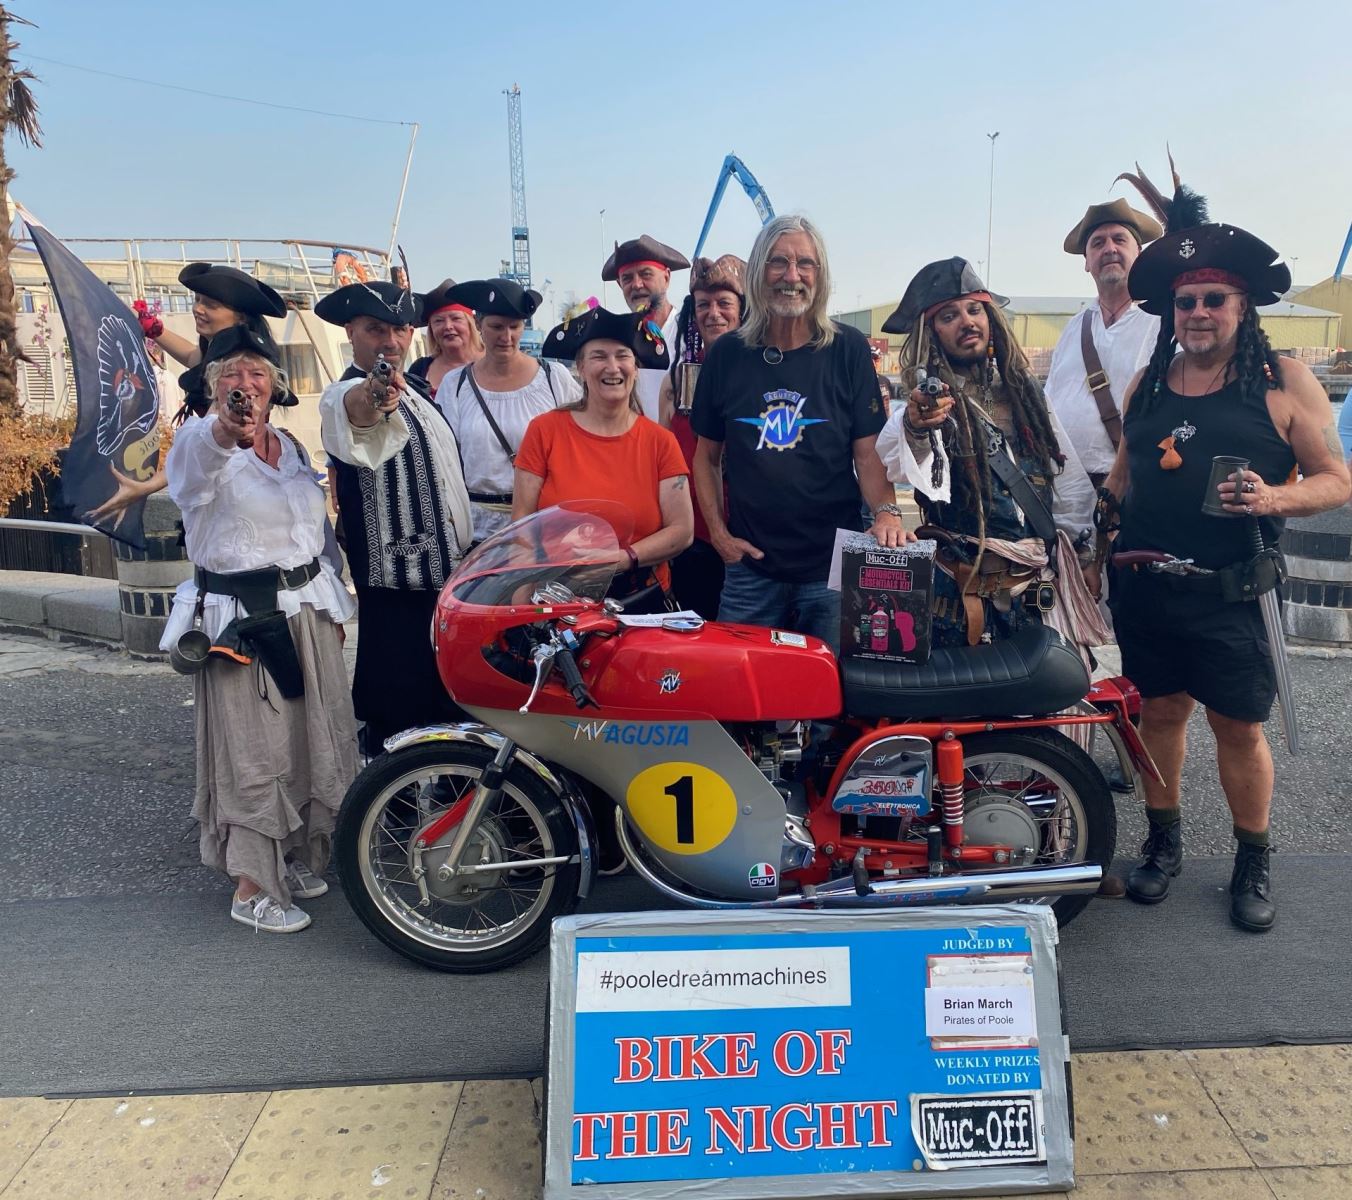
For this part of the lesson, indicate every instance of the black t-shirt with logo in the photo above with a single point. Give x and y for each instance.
(788, 431)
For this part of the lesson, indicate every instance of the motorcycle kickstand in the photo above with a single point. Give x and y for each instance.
(862, 887)
(488, 789)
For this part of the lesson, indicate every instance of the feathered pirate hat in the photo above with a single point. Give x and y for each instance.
(1195, 249)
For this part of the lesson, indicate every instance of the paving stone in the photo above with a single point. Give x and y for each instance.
(24, 1122)
(178, 1146)
(1309, 1183)
(1290, 1106)
(494, 1149)
(1147, 1111)
(1176, 1185)
(349, 1143)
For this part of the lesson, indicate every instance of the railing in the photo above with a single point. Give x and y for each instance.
(49, 546)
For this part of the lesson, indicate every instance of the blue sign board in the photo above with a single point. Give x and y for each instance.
(746, 1047)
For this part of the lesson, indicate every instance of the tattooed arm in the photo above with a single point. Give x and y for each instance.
(1324, 481)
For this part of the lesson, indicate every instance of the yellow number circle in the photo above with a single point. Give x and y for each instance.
(682, 807)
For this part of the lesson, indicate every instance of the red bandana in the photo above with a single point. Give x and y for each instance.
(1212, 275)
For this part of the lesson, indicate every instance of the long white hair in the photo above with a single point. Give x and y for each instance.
(756, 322)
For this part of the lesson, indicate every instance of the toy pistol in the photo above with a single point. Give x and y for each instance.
(930, 387)
(380, 378)
(240, 409)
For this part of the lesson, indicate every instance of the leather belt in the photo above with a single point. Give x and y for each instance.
(490, 498)
(245, 584)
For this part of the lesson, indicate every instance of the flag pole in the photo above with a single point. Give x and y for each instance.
(399, 207)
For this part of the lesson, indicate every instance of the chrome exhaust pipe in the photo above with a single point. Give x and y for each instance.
(987, 887)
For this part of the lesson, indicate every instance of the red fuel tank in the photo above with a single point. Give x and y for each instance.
(724, 672)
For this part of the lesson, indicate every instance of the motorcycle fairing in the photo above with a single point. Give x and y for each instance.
(705, 812)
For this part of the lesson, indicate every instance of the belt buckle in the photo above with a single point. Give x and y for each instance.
(1044, 597)
(1100, 376)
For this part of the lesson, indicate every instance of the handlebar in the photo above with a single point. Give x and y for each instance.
(558, 652)
(572, 679)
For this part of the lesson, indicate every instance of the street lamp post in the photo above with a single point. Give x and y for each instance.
(990, 206)
(605, 294)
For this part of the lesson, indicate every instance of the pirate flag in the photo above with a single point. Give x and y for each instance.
(117, 401)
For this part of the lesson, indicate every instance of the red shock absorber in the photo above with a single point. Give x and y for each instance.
(950, 767)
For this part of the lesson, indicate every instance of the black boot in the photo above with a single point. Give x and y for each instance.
(1148, 882)
(1251, 904)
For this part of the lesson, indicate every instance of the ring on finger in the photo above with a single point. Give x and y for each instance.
(1248, 510)
(1249, 487)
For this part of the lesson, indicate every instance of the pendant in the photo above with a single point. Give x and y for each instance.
(1170, 460)
(773, 355)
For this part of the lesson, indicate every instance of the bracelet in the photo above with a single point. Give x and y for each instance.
(891, 509)
(633, 557)
(914, 432)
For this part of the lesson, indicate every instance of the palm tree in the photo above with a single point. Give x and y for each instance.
(18, 115)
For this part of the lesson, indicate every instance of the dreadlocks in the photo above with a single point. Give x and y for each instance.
(1254, 364)
(1033, 434)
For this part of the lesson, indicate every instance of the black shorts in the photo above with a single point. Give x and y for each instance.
(1174, 639)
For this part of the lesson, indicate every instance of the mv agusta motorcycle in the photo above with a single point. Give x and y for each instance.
(743, 766)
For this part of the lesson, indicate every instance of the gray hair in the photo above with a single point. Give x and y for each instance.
(216, 369)
(756, 320)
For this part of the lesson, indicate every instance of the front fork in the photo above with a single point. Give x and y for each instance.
(467, 813)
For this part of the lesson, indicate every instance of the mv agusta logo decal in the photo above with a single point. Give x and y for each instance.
(669, 682)
(620, 733)
(781, 422)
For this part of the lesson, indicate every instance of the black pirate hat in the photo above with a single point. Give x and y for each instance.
(440, 297)
(937, 283)
(639, 250)
(635, 330)
(1197, 250)
(497, 298)
(233, 288)
(385, 301)
(238, 339)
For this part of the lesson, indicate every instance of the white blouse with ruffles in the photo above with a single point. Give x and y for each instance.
(240, 514)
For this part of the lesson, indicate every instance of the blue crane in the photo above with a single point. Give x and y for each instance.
(520, 261)
(732, 165)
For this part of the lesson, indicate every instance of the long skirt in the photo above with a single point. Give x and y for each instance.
(271, 772)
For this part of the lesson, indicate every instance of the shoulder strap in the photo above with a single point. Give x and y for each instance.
(1008, 472)
(1097, 379)
(549, 379)
(488, 416)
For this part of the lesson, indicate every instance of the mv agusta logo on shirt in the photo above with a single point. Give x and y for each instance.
(781, 422)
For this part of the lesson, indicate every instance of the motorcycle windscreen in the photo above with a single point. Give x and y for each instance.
(578, 545)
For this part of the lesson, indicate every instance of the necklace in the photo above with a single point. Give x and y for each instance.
(773, 355)
(1210, 387)
(1109, 318)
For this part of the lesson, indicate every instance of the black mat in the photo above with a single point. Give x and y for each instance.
(163, 993)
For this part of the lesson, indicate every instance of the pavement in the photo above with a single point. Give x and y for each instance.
(1234, 1124)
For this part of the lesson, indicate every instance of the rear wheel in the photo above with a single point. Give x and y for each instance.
(464, 923)
(1038, 791)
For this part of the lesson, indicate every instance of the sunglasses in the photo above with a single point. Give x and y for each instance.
(1210, 300)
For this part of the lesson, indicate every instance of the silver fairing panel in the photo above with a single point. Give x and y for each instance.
(701, 806)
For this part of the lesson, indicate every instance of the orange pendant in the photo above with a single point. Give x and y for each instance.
(1170, 460)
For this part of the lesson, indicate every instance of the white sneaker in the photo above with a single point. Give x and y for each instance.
(303, 882)
(263, 912)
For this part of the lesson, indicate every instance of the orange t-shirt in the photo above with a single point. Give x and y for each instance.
(578, 465)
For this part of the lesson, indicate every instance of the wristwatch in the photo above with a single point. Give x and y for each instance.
(894, 509)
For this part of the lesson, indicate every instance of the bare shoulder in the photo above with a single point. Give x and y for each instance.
(1303, 392)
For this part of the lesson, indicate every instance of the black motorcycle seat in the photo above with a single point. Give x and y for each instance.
(1033, 673)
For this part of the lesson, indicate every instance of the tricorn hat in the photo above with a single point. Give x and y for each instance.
(438, 298)
(1115, 212)
(639, 250)
(1197, 250)
(496, 298)
(936, 283)
(727, 271)
(385, 301)
(1204, 254)
(238, 339)
(635, 330)
(233, 288)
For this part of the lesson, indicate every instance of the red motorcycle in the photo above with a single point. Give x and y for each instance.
(742, 766)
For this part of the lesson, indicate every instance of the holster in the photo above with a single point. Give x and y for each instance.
(1249, 580)
(995, 579)
(268, 636)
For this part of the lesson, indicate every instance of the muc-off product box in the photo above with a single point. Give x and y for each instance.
(885, 599)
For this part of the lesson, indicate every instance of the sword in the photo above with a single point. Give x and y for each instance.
(1272, 622)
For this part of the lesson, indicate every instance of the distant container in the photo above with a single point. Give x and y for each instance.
(1318, 594)
(147, 579)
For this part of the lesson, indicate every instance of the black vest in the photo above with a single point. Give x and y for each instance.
(1163, 508)
(394, 520)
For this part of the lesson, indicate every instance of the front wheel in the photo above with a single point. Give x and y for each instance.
(460, 922)
(1037, 790)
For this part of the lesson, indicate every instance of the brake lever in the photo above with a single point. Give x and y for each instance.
(543, 658)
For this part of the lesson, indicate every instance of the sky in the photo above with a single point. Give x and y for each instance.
(870, 118)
